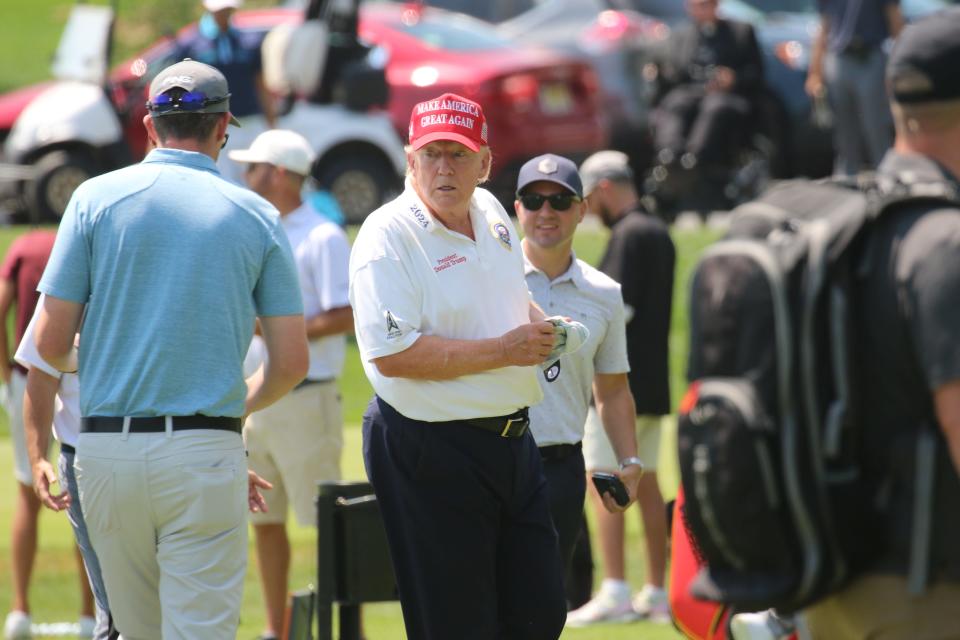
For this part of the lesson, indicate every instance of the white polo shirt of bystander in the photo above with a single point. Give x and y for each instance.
(411, 276)
(66, 416)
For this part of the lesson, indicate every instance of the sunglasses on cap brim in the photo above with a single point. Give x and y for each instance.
(188, 102)
(558, 201)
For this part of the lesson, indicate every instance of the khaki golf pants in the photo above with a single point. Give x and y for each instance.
(166, 513)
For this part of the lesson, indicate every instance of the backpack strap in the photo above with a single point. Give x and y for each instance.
(921, 526)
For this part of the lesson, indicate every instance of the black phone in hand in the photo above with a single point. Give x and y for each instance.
(609, 483)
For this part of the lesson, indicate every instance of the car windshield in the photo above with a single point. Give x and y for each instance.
(453, 33)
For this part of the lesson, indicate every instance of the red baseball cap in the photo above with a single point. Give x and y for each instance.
(448, 117)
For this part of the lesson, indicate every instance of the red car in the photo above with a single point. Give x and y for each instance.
(535, 100)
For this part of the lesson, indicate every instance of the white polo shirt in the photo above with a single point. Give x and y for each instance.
(593, 298)
(322, 254)
(66, 415)
(411, 276)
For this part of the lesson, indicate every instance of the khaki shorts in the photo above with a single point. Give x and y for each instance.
(598, 455)
(294, 444)
(878, 607)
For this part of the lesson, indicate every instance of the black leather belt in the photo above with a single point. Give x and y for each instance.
(157, 424)
(555, 452)
(66, 448)
(511, 426)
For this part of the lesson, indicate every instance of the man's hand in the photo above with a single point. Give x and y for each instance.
(814, 85)
(254, 498)
(723, 79)
(630, 477)
(44, 477)
(528, 344)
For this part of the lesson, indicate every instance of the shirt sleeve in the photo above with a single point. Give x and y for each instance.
(68, 271)
(277, 292)
(327, 267)
(386, 307)
(27, 354)
(930, 259)
(611, 356)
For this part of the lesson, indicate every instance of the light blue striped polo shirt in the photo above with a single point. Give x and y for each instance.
(173, 264)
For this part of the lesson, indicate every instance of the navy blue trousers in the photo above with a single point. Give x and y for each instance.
(566, 486)
(467, 518)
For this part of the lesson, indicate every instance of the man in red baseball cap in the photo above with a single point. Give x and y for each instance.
(451, 343)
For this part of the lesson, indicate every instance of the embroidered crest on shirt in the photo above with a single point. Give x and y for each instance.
(393, 329)
(446, 262)
(501, 233)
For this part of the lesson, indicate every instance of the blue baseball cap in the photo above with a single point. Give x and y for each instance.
(551, 168)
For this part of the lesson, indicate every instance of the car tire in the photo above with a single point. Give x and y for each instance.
(360, 183)
(58, 174)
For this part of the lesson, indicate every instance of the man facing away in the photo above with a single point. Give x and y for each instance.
(169, 265)
(296, 442)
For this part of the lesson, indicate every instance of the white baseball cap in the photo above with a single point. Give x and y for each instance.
(281, 148)
(217, 5)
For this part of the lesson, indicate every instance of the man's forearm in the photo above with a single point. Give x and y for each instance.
(436, 358)
(330, 323)
(617, 412)
(38, 407)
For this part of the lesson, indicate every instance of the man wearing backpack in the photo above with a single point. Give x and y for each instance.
(907, 322)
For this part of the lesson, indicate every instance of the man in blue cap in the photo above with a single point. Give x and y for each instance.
(549, 206)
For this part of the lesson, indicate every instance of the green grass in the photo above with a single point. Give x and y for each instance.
(54, 594)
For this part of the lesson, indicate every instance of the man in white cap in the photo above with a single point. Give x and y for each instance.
(170, 265)
(296, 442)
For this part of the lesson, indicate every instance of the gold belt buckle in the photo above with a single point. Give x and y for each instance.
(506, 429)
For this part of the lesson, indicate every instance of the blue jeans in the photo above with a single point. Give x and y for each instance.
(68, 481)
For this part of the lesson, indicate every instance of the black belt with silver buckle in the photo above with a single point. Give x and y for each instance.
(157, 424)
(511, 426)
(555, 452)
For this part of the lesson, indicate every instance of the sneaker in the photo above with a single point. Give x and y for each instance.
(17, 626)
(651, 604)
(603, 607)
(763, 625)
(86, 627)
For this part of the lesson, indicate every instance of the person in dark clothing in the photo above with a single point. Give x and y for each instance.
(640, 256)
(709, 77)
(846, 65)
(907, 325)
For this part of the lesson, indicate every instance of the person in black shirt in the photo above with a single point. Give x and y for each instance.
(710, 74)
(907, 326)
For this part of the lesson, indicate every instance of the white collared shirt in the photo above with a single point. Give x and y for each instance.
(66, 412)
(594, 299)
(411, 276)
(321, 251)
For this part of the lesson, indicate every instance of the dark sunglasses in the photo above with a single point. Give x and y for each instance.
(185, 102)
(558, 201)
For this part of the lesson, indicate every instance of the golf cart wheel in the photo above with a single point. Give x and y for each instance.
(359, 183)
(58, 175)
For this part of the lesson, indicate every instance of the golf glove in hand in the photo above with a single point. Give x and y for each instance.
(570, 336)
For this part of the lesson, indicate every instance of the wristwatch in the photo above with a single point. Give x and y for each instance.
(631, 461)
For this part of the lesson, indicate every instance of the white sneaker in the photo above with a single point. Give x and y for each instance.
(86, 626)
(651, 604)
(763, 625)
(17, 626)
(603, 607)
